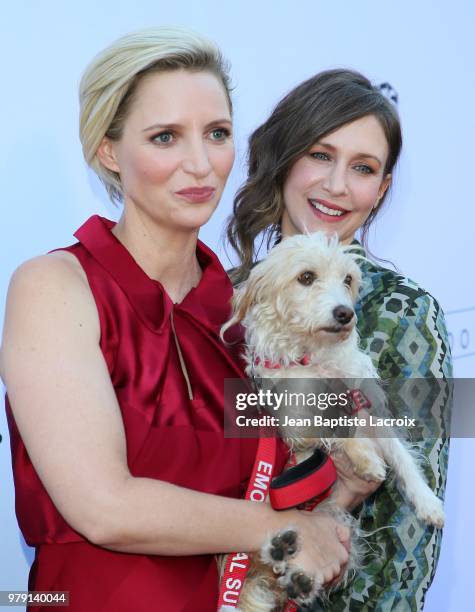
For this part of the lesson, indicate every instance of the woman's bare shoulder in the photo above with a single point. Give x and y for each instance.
(47, 277)
(50, 290)
(58, 266)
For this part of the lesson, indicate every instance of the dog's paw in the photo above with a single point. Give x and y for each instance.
(373, 469)
(369, 466)
(429, 508)
(299, 586)
(366, 461)
(279, 549)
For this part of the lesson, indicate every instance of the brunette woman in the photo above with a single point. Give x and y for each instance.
(324, 161)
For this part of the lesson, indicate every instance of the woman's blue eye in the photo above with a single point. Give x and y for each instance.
(319, 155)
(220, 134)
(163, 138)
(364, 169)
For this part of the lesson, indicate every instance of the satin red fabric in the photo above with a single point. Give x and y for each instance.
(169, 436)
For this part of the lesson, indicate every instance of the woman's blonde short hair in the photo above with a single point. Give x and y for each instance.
(109, 82)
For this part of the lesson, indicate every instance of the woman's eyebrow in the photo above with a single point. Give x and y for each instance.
(327, 145)
(162, 126)
(177, 126)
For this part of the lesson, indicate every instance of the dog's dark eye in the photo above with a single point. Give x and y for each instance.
(306, 278)
(348, 280)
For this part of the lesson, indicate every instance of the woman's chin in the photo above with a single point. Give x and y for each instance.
(345, 236)
(328, 229)
(195, 222)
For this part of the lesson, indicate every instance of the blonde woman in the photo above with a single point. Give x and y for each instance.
(112, 359)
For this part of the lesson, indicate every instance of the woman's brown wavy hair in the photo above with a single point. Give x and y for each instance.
(312, 110)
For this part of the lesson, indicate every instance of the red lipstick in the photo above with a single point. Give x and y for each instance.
(196, 194)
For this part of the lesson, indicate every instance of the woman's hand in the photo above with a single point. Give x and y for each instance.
(350, 490)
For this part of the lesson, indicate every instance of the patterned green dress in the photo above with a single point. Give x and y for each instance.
(402, 327)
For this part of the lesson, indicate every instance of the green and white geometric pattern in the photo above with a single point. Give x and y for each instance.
(402, 328)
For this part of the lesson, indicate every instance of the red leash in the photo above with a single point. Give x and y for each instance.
(237, 564)
(303, 485)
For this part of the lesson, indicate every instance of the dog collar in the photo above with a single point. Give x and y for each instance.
(277, 365)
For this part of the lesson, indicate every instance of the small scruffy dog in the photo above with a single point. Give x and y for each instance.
(297, 308)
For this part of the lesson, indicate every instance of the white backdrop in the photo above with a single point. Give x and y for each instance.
(424, 49)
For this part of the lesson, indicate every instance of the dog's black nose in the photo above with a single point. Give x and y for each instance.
(343, 314)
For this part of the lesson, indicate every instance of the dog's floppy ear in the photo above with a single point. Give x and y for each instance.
(245, 295)
(248, 293)
(357, 279)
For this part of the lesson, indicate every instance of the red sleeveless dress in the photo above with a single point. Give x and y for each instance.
(169, 436)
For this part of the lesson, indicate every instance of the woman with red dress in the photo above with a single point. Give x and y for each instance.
(113, 365)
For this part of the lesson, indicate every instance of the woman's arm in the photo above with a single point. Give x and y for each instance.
(67, 412)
